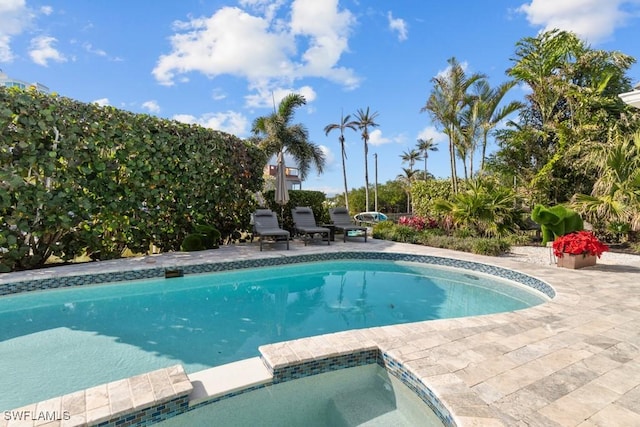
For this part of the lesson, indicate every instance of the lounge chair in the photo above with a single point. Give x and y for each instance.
(265, 225)
(305, 225)
(342, 221)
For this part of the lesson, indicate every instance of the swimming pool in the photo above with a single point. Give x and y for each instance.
(95, 334)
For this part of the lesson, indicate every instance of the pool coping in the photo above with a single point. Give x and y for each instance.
(482, 366)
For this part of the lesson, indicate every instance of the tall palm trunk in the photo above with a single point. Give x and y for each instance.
(344, 177)
(452, 161)
(366, 174)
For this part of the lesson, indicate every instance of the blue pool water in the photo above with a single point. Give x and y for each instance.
(58, 341)
(361, 396)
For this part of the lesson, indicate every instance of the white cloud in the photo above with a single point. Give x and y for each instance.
(230, 121)
(327, 30)
(261, 47)
(265, 98)
(101, 102)
(229, 42)
(151, 106)
(593, 20)
(46, 10)
(89, 48)
(218, 94)
(376, 138)
(42, 51)
(14, 18)
(430, 132)
(398, 25)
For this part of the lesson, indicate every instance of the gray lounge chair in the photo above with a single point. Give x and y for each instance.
(305, 225)
(342, 221)
(265, 225)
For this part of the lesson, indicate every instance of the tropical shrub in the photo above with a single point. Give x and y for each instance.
(486, 208)
(425, 193)
(79, 178)
(436, 238)
(417, 222)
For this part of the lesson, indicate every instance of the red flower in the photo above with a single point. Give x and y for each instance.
(417, 222)
(579, 243)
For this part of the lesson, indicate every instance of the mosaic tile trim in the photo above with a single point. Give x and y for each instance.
(416, 385)
(320, 366)
(80, 280)
(150, 415)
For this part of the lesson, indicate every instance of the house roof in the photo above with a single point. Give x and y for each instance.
(632, 98)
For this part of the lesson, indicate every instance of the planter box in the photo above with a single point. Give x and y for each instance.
(576, 261)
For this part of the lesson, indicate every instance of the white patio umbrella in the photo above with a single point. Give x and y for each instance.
(282, 193)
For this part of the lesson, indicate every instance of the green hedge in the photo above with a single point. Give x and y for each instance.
(78, 179)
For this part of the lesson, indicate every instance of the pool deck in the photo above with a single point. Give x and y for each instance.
(574, 361)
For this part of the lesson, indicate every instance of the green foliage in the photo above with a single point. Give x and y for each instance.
(425, 193)
(573, 105)
(204, 237)
(83, 179)
(493, 247)
(486, 209)
(210, 235)
(392, 198)
(556, 221)
(193, 242)
(615, 197)
(387, 230)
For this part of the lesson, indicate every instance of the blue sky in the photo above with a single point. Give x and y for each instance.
(217, 63)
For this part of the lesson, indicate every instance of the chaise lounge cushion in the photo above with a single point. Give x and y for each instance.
(342, 221)
(305, 224)
(265, 224)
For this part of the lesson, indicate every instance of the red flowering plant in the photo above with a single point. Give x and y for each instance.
(417, 222)
(579, 243)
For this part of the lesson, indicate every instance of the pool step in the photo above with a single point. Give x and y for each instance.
(369, 407)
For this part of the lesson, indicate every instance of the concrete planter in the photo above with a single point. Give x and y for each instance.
(576, 261)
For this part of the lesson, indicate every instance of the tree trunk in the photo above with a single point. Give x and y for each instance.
(344, 175)
(366, 176)
(452, 160)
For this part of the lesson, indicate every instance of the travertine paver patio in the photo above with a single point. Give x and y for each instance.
(574, 361)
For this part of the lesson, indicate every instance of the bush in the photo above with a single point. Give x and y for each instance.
(490, 247)
(210, 235)
(84, 179)
(204, 237)
(437, 239)
(193, 242)
(417, 222)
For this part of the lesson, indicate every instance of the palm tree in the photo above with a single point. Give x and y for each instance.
(365, 120)
(424, 146)
(344, 124)
(469, 131)
(616, 193)
(276, 134)
(410, 157)
(406, 180)
(445, 103)
(489, 115)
